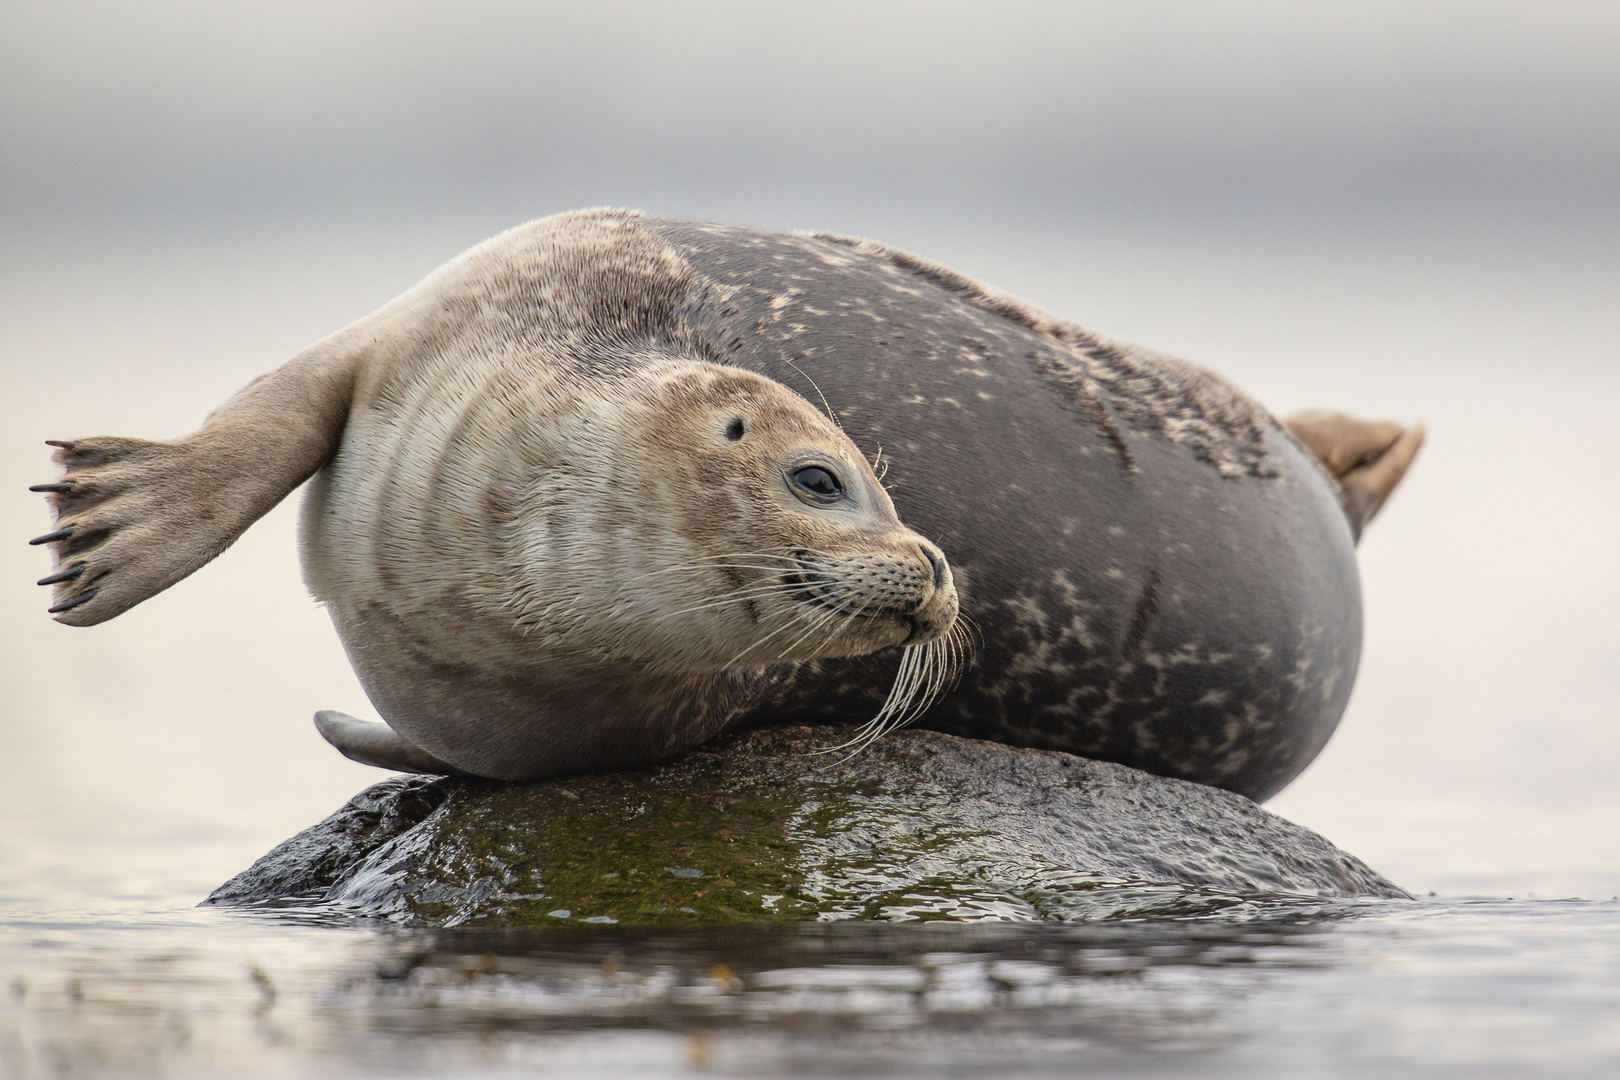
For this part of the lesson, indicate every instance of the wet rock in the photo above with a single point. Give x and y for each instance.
(920, 825)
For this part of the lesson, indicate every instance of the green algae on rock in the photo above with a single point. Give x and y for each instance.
(758, 827)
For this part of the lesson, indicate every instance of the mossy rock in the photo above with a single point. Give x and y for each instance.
(760, 827)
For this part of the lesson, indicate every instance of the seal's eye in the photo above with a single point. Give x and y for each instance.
(818, 483)
(734, 430)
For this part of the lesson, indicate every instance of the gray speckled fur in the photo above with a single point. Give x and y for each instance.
(1158, 573)
(1102, 378)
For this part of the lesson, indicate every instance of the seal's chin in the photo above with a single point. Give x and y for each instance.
(921, 634)
(934, 622)
(930, 661)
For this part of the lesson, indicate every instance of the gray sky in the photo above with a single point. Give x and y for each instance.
(1249, 111)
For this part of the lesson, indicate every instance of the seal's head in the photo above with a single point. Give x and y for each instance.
(721, 522)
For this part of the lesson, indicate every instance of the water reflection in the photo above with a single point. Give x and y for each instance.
(848, 977)
(1370, 987)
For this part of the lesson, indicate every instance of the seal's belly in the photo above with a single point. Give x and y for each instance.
(1142, 592)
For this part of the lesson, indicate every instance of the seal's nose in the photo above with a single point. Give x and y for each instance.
(936, 559)
(934, 614)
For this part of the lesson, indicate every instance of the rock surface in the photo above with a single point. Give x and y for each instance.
(920, 825)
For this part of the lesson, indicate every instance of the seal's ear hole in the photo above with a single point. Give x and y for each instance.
(734, 430)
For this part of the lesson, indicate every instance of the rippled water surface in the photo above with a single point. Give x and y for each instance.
(1454, 988)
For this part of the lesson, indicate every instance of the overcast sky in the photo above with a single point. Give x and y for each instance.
(1250, 111)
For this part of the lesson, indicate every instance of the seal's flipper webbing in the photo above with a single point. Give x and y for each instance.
(1366, 458)
(135, 516)
(371, 743)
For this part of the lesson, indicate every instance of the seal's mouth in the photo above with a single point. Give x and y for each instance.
(810, 582)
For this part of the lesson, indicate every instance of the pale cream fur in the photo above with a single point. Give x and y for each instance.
(541, 545)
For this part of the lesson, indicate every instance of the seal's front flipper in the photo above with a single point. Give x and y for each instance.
(1366, 458)
(134, 516)
(371, 743)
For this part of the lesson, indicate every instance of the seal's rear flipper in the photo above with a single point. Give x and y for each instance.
(1366, 458)
(134, 516)
(371, 743)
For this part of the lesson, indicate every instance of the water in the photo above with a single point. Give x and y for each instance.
(149, 759)
(1456, 988)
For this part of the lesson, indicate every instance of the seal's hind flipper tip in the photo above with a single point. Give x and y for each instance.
(331, 724)
(1365, 458)
(371, 743)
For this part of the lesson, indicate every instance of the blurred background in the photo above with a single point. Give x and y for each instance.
(1404, 210)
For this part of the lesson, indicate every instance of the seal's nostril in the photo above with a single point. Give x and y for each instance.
(937, 561)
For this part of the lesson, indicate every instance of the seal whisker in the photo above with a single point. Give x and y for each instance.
(742, 592)
(824, 617)
(714, 561)
(746, 593)
(849, 619)
(800, 619)
(753, 566)
(907, 691)
(789, 556)
(924, 672)
(830, 414)
(769, 569)
(911, 695)
(711, 566)
(880, 468)
(794, 561)
(818, 616)
(875, 727)
(808, 613)
(828, 616)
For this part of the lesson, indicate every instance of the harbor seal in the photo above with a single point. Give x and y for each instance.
(572, 509)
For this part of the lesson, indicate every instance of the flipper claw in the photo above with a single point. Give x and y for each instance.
(53, 537)
(62, 575)
(69, 605)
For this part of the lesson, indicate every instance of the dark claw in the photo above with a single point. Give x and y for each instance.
(66, 444)
(51, 538)
(66, 485)
(69, 605)
(62, 575)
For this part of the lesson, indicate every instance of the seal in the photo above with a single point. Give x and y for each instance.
(573, 509)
